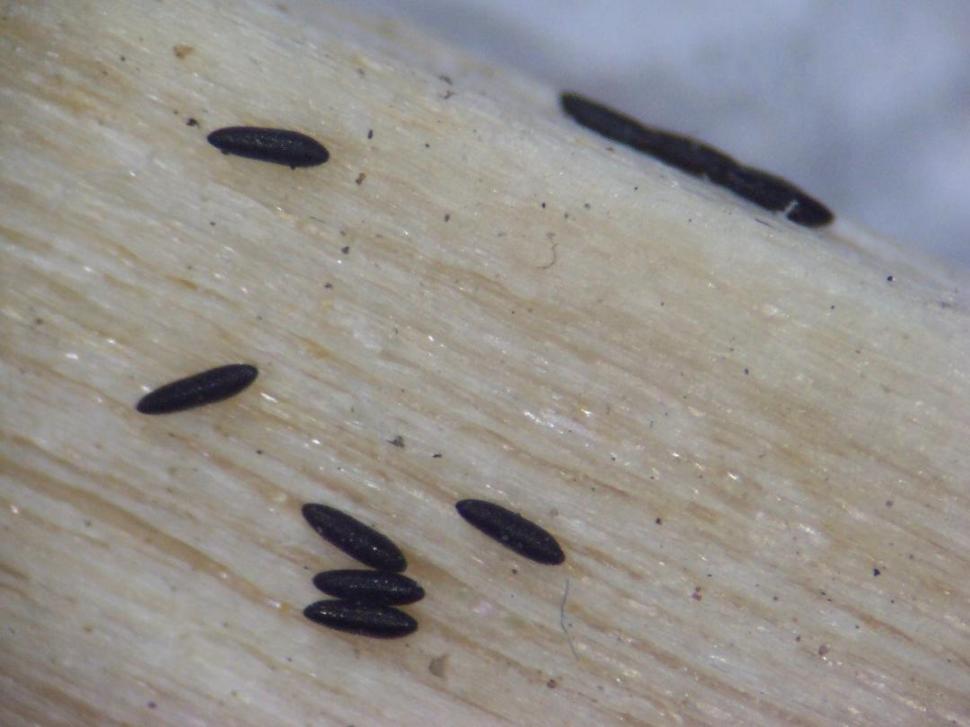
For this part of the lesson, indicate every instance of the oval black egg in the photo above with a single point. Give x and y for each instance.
(381, 622)
(207, 387)
(512, 530)
(353, 537)
(279, 146)
(375, 588)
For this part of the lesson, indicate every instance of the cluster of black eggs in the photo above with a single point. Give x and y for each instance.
(364, 599)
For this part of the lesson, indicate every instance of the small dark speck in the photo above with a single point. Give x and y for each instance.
(746, 372)
(122, 59)
(38, 321)
(659, 521)
(427, 146)
(586, 205)
(192, 121)
(447, 217)
(551, 684)
(448, 94)
(774, 598)
(696, 595)
(823, 649)
(543, 205)
(876, 572)
(446, 79)
(212, 223)
(360, 178)
(328, 286)
(890, 278)
(345, 249)
(152, 705)
(259, 451)
(437, 455)
(370, 133)
(398, 441)
(889, 503)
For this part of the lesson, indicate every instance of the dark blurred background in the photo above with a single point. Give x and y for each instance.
(865, 103)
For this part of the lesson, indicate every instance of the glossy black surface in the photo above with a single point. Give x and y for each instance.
(512, 530)
(205, 388)
(279, 146)
(381, 622)
(353, 537)
(699, 159)
(375, 588)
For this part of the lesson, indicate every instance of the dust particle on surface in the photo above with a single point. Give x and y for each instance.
(360, 178)
(876, 572)
(181, 51)
(447, 217)
(659, 521)
(398, 441)
(890, 278)
(370, 133)
(345, 249)
(823, 649)
(152, 705)
(438, 665)
(192, 121)
(552, 684)
(696, 595)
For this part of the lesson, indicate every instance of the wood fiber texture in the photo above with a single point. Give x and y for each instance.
(751, 445)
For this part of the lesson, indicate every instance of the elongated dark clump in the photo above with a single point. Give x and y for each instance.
(776, 194)
(205, 388)
(354, 538)
(381, 622)
(270, 145)
(688, 155)
(700, 160)
(512, 530)
(373, 588)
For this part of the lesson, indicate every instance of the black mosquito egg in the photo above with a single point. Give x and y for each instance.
(353, 537)
(205, 388)
(512, 530)
(279, 146)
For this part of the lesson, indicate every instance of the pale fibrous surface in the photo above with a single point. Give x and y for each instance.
(748, 437)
